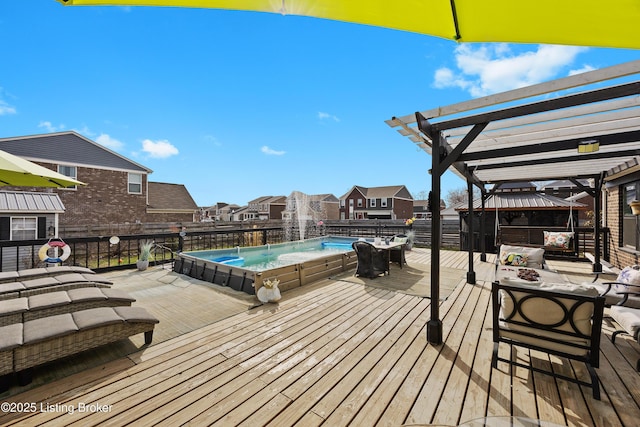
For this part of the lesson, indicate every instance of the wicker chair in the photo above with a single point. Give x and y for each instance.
(397, 254)
(372, 262)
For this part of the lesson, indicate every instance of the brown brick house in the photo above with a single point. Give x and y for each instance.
(117, 188)
(170, 203)
(391, 202)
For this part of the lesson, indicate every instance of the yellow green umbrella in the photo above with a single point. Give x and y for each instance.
(612, 23)
(18, 172)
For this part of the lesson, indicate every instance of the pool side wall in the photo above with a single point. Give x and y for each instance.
(249, 281)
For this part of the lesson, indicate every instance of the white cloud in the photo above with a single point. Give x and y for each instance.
(584, 69)
(495, 68)
(50, 127)
(213, 140)
(6, 109)
(109, 142)
(327, 116)
(270, 151)
(159, 149)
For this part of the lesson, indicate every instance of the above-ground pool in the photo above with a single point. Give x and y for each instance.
(293, 263)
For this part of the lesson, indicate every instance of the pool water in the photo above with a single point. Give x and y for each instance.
(266, 257)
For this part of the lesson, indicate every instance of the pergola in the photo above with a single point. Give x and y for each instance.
(530, 134)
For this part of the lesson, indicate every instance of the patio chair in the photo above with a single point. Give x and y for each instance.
(372, 262)
(625, 290)
(629, 320)
(560, 319)
(397, 254)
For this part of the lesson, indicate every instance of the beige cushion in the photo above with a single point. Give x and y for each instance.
(535, 256)
(48, 327)
(628, 318)
(549, 312)
(40, 283)
(116, 294)
(51, 299)
(10, 336)
(94, 317)
(10, 287)
(86, 294)
(6, 276)
(135, 314)
(13, 306)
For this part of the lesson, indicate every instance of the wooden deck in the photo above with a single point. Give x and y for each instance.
(340, 353)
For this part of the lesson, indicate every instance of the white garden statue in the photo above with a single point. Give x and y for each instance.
(269, 291)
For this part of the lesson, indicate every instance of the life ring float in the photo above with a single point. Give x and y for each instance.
(66, 251)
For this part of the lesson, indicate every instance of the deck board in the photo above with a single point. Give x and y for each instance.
(338, 353)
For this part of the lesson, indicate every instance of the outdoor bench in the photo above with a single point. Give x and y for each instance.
(51, 284)
(35, 273)
(560, 319)
(23, 309)
(36, 342)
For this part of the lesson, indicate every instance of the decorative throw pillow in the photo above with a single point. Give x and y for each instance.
(629, 275)
(561, 240)
(515, 259)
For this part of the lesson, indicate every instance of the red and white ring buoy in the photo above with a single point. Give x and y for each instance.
(66, 251)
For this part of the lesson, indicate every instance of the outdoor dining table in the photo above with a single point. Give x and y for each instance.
(387, 248)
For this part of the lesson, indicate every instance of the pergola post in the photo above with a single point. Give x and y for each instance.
(597, 202)
(434, 325)
(471, 275)
(483, 227)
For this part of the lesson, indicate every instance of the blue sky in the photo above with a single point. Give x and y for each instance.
(238, 105)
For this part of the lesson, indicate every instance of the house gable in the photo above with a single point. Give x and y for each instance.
(69, 148)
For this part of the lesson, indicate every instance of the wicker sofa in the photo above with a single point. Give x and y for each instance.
(23, 309)
(35, 342)
(36, 273)
(45, 284)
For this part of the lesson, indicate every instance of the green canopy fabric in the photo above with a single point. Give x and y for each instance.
(610, 23)
(18, 172)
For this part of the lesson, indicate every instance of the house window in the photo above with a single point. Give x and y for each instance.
(135, 183)
(383, 202)
(24, 228)
(359, 203)
(70, 171)
(629, 230)
(372, 203)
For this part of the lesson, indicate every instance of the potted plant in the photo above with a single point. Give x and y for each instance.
(411, 235)
(145, 254)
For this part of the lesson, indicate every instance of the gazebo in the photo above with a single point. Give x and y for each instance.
(527, 134)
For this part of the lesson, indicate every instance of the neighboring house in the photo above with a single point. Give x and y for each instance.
(622, 186)
(392, 202)
(170, 203)
(421, 209)
(265, 208)
(323, 206)
(116, 190)
(219, 212)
